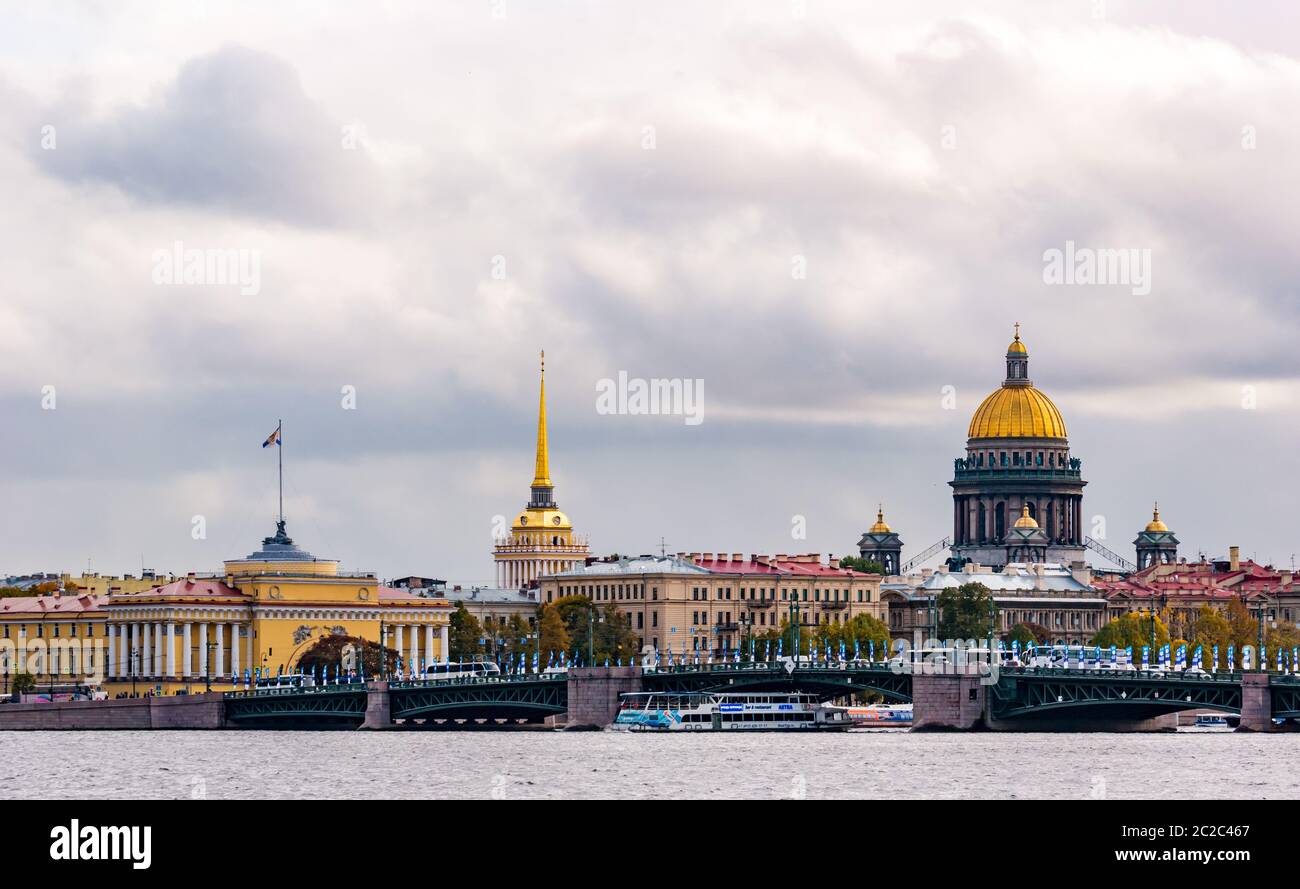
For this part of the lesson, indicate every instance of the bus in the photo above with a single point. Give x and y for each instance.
(463, 670)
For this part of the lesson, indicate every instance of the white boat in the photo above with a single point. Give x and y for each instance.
(727, 711)
(881, 715)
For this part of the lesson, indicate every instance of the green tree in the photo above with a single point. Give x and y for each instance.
(601, 629)
(23, 683)
(463, 635)
(867, 566)
(326, 654)
(1028, 633)
(968, 612)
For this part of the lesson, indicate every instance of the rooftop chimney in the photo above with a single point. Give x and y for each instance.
(1234, 558)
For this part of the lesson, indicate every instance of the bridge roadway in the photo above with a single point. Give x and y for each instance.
(1019, 697)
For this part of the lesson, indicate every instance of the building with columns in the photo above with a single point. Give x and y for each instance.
(264, 611)
(541, 539)
(1017, 466)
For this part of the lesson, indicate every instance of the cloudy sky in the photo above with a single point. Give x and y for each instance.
(826, 213)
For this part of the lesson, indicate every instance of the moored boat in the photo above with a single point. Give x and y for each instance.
(727, 711)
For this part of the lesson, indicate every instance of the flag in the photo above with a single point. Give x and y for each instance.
(272, 439)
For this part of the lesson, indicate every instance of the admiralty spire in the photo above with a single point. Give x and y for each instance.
(541, 539)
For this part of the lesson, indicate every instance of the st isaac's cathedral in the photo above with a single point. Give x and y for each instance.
(1018, 493)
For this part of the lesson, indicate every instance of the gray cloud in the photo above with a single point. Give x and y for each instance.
(521, 138)
(234, 132)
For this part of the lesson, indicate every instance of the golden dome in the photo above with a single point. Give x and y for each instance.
(1155, 524)
(880, 527)
(1025, 520)
(1017, 412)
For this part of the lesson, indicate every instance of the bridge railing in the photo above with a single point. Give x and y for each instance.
(341, 688)
(478, 680)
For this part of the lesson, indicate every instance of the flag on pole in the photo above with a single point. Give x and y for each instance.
(273, 438)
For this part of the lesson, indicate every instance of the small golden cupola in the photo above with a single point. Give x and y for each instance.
(1155, 524)
(880, 527)
(1025, 520)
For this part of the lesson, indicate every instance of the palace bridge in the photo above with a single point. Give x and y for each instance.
(1020, 699)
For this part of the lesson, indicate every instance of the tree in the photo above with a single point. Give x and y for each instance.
(463, 635)
(866, 566)
(24, 683)
(1027, 633)
(968, 612)
(1132, 629)
(553, 634)
(327, 653)
(603, 631)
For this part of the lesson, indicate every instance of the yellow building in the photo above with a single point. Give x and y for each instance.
(541, 539)
(706, 603)
(263, 612)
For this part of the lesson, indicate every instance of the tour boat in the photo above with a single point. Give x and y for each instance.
(1206, 720)
(727, 711)
(881, 715)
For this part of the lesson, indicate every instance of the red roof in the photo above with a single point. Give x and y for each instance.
(809, 565)
(198, 588)
(51, 605)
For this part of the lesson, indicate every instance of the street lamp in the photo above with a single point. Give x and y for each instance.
(211, 644)
(135, 652)
(794, 623)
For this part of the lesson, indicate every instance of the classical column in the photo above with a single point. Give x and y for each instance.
(158, 649)
(218, 668)
(171, 648)
(428, 643)
(146, 654)
(444, 652)
(398, 646)
(203, 650)
(187, 652)
(110, 663)
(236, 668)
(415, 649)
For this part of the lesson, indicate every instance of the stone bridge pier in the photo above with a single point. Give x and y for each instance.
(944, 701)
(593, 694)
(1256, 703)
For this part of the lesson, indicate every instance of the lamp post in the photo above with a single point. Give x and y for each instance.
(212, 643)
(134, 653)
(794, 624)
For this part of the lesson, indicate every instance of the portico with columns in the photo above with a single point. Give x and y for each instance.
(261, 614)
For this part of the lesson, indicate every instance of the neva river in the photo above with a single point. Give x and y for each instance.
(556, 765)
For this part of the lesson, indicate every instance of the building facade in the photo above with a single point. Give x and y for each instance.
(541, 539)
(1063, 600)
(263, 612)
(711, 603)
(1017, 464)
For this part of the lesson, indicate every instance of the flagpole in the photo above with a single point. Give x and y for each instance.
(279, 449)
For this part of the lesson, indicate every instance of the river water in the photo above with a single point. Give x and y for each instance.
(557, 765)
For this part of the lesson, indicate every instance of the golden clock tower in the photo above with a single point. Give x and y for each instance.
(541, 539)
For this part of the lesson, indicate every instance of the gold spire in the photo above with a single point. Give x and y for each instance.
(1026, 520)
(1155, 524)
(542, 474)
(880, 527)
